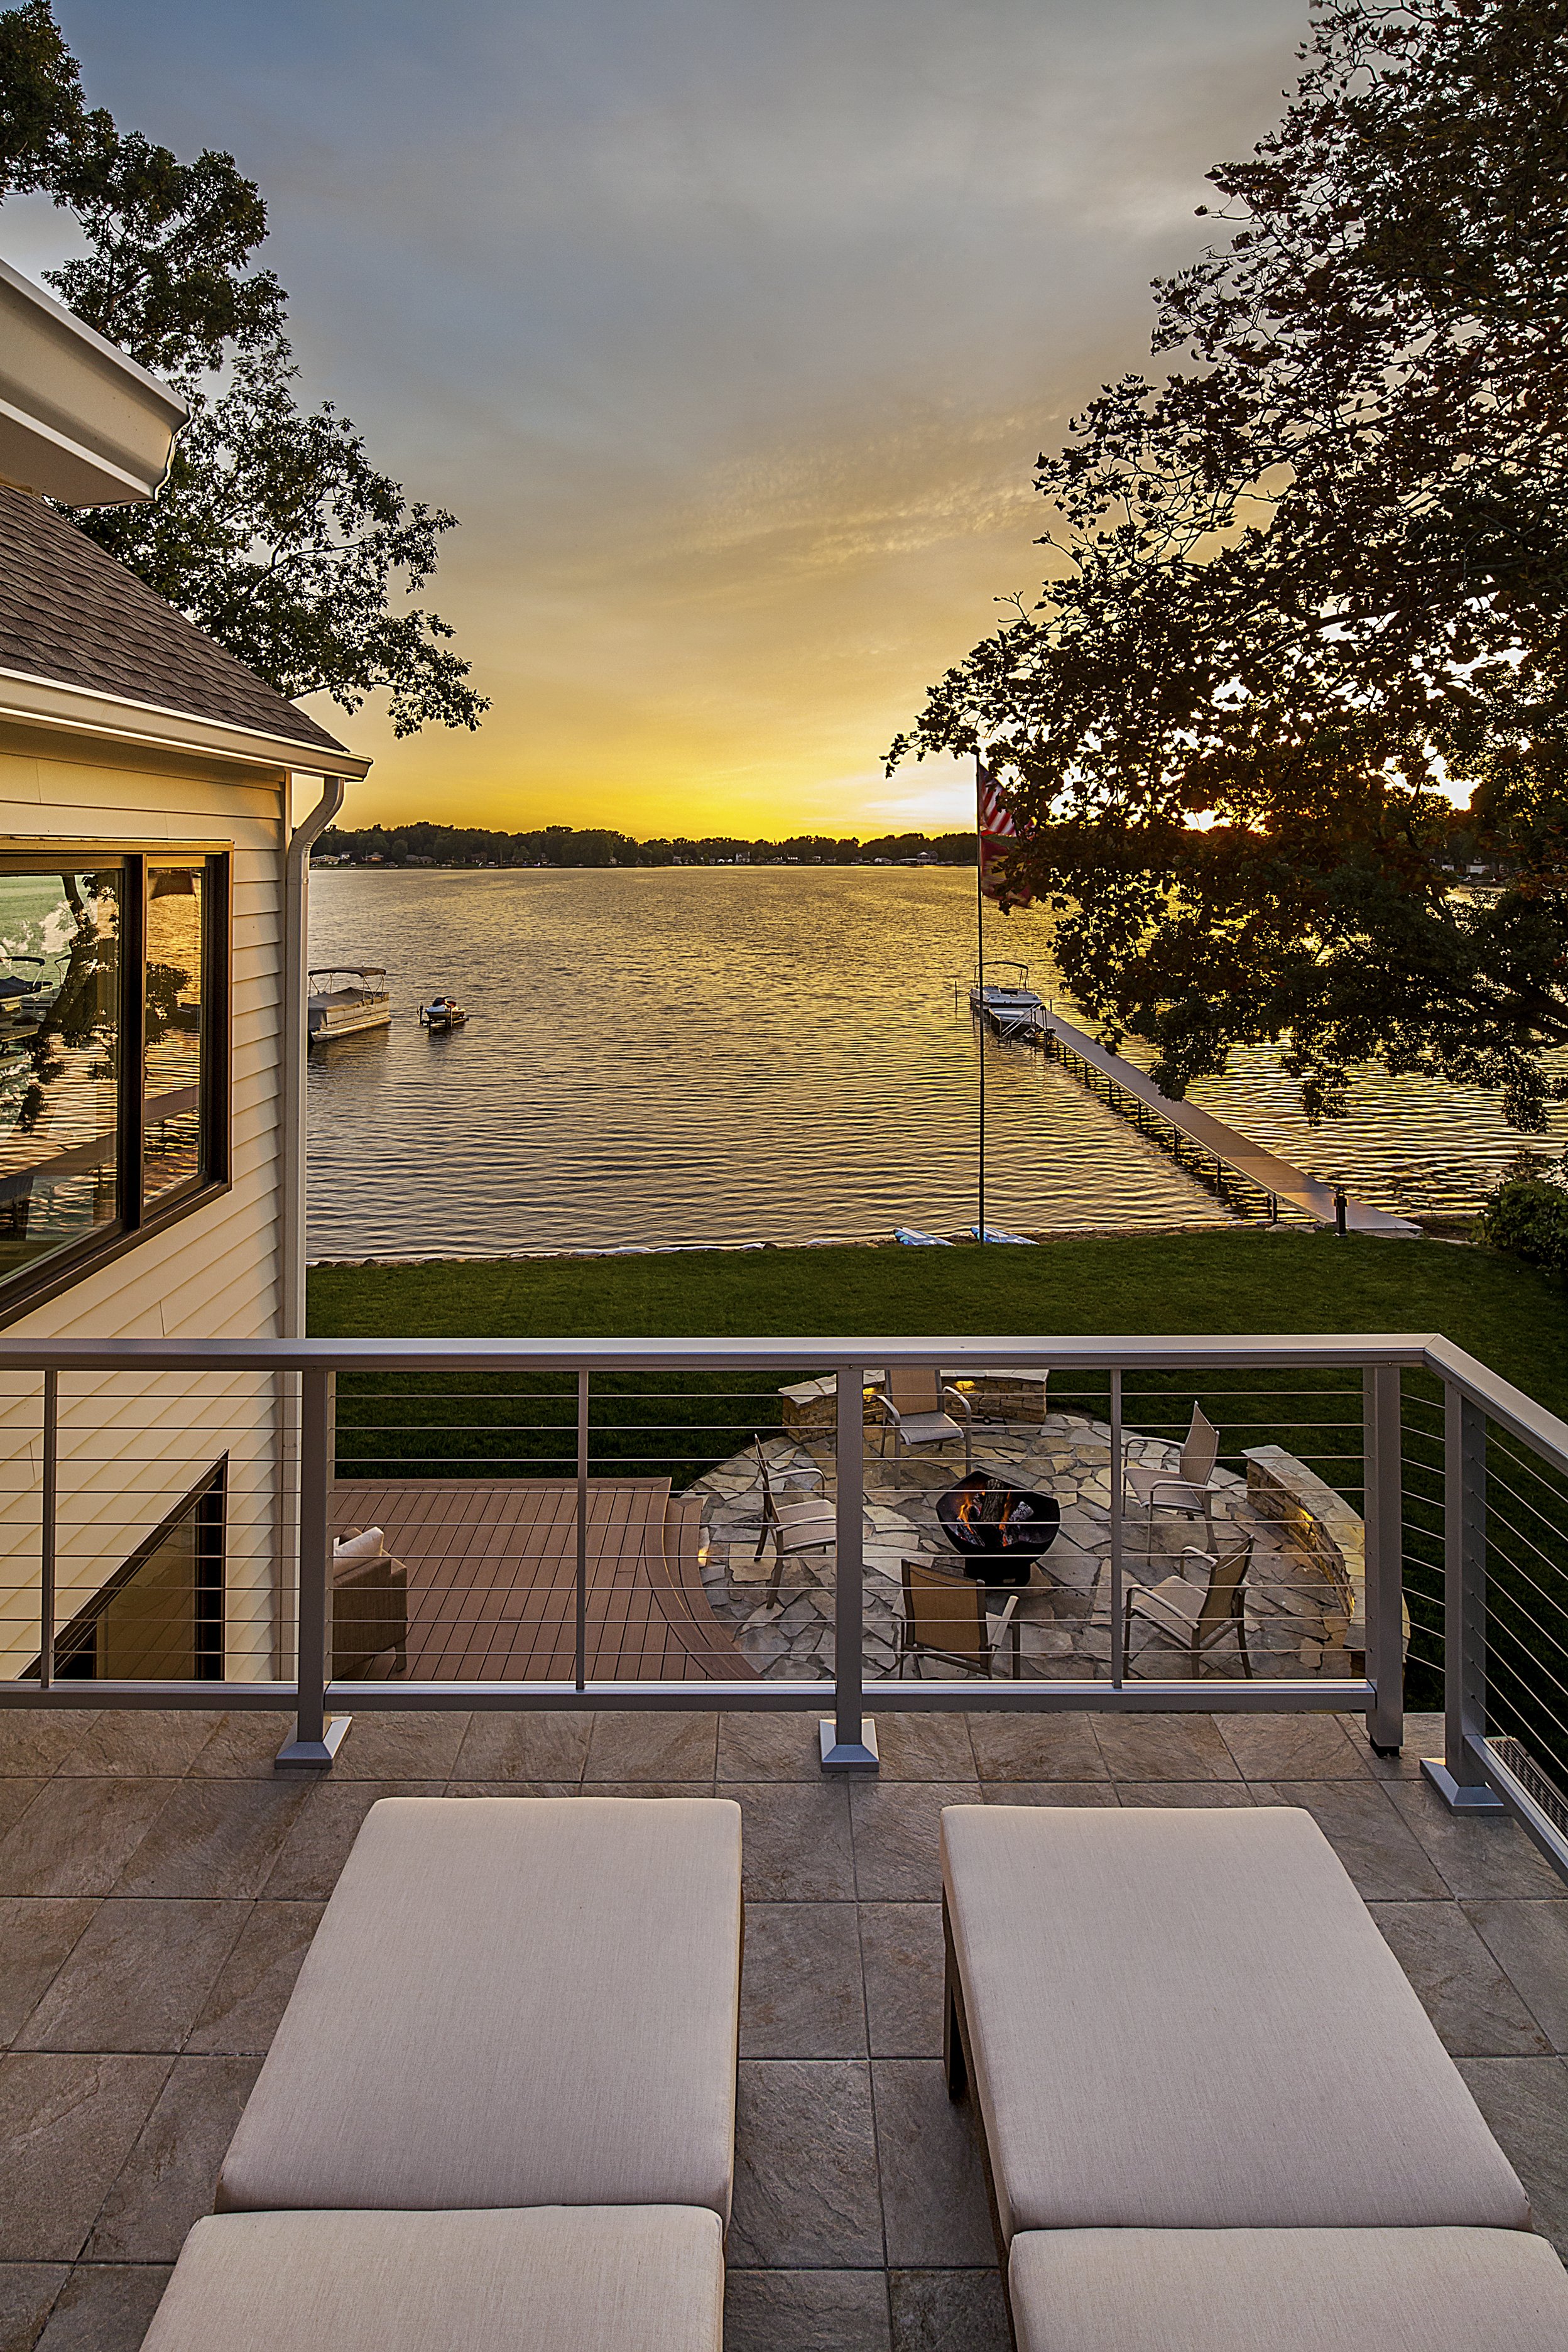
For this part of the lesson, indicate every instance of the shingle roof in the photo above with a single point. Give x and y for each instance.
(69, 613)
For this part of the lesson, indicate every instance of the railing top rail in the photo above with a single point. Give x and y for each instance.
(1542, 1431)
(1101, 1352)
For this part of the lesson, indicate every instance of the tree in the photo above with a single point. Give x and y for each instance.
(1305, 653)
(274, 532)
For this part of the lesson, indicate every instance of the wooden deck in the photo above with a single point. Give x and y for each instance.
(492, 1567)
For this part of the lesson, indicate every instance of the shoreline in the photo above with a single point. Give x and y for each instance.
(591, 1253)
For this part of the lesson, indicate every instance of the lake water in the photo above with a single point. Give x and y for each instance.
(690, 1056)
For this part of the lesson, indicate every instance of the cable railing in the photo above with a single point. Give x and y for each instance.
(336, 1527)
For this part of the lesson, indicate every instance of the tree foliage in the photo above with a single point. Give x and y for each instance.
(274, 532)
(1304, 653)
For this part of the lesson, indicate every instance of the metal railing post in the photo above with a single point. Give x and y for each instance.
(1384, 1524)
(849, 1742)
(581, 1642)
(1118, 1621)
(316, 1738)
(1459, 1775)
(48, 1533)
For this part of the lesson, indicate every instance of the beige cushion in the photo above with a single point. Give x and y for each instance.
(1287, 2291)
(511, 2000)
(1187, 2019)
(350, 1549)
(559, 2279)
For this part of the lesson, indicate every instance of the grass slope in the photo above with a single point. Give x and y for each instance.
(1509, 1316)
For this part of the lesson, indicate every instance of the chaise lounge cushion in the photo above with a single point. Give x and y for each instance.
(1188, 2021)
(1287, 2291)
(511, 2002)
(572, 2278)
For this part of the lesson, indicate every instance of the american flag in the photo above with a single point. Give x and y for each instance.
(995, 826)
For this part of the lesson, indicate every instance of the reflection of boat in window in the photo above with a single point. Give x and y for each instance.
(442, 1013)
(29, 986)
(345, 998)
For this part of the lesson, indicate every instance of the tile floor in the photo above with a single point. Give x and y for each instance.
(159, 1885)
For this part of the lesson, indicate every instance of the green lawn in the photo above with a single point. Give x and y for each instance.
(1510, 1316)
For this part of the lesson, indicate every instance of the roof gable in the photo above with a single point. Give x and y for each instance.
(69, 613)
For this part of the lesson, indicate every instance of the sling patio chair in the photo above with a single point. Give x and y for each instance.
(945, 1617)
(1197, 1614)
(913, 1403)
(810, 1524)
(1191, 1486)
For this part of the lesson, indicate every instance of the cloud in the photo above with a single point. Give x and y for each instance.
(730, 332)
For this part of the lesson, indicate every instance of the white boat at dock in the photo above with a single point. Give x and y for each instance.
(344, 999)
(1012, 1007)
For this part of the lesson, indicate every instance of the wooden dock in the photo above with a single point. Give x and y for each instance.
(492, 1569)
(1227, 1162)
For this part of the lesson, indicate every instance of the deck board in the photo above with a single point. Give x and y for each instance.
(492, 1568)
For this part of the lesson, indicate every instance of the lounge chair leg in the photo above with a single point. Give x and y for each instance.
(953, 2042)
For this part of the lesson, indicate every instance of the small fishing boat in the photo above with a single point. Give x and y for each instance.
(442, 1013)
(912, 1238)
(344, 999)
(994, 1233)
(1012, 1007)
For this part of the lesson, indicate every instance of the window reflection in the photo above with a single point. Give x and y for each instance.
(172, 1144)
(60, 938)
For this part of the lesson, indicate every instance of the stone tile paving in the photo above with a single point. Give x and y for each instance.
(148, 1946)
(1294, 1620)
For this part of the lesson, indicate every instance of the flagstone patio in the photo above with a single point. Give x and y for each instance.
(1296, 1620)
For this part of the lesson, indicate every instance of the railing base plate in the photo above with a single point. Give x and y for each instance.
(864, 1759)
(297, 1755)
(1460, 1796)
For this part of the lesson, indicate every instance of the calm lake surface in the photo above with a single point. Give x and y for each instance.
(683, 1056)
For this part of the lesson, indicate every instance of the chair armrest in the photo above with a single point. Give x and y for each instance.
(891, 1410)
(1184, 1485)
(961, 1400)
(1003, 1621)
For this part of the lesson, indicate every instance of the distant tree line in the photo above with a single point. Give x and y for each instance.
(423, 843)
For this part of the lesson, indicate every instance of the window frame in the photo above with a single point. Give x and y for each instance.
(56, 1271)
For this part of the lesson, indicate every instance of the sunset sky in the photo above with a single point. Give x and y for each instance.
(729, 329)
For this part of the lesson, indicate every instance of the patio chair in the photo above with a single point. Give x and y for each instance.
(913, 1407)
(809, 1525)
(1191, 1485)
(1198, 1615)
(945, 1617)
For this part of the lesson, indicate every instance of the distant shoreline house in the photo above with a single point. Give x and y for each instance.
(157, 805)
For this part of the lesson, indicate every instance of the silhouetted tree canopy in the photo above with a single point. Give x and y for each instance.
(274, 532)
(1303, 656)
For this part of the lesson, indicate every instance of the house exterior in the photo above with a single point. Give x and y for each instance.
(157, 803)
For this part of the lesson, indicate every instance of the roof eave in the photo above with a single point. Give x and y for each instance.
(85, 711)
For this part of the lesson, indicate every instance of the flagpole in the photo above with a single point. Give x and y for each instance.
(979, 968)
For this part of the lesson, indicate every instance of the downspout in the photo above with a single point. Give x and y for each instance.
(291, 1223)
(291, 1210)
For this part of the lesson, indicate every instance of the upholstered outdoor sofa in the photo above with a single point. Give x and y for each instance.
(500, 2108)
(1215, 2113)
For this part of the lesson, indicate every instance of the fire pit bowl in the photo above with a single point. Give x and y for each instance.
(999, 1527)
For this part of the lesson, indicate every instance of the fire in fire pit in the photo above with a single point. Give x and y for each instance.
(999, 1527)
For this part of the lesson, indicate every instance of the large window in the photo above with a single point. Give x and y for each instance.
(113, 1061)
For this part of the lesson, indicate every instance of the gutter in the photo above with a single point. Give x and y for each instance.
(291, 1220)
(291, 1209)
